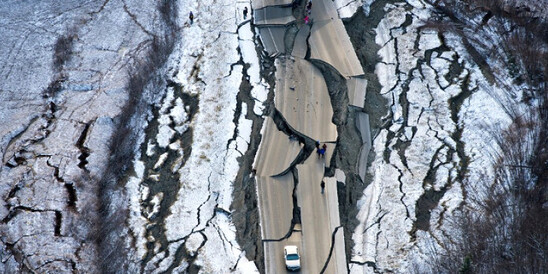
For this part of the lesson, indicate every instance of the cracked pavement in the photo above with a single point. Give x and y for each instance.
(304, 115)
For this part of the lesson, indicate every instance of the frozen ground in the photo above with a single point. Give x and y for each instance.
(64, 70)
(55, 147)
(434, 138)
(347, 8)
(189, 226)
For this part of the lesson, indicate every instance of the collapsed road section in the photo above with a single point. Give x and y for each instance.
(297, 194)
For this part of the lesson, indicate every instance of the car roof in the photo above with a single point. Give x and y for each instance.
(291, 249)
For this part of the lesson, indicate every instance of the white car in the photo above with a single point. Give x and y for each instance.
(292, 258)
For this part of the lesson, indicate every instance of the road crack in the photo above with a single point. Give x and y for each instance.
(333, 237)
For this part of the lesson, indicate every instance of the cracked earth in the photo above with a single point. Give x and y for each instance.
(183, 197)
(61, 114)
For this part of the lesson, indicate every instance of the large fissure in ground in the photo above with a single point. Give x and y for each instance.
(360, 29)
(245, 203)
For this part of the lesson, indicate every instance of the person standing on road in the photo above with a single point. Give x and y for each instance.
(245, 13)
(322, 185)
(320, 152)
(191, 17)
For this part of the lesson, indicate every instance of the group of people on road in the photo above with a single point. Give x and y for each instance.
(321, 151)
(309, 7)
(308, 12)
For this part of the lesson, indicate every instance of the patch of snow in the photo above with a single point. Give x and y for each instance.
(150, 148)
(101, 130)
(136, 193)
(161, 160)
(155, 201)
(176, 146)
(347, 8)
(441, 66)
(249, 56)
(168, 100)
(417, 4)
(165, 132)
(193, 242)
(429, 40)
(260, 93)
(165, 261)
(178, 162)
(245, 32)
(178, 113)
(340, 176)
(367, 6)
(207, 68)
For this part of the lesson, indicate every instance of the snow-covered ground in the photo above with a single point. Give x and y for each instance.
(182, 187)
(57, 123)
(347, 8)
(440, 105)
(199, 221)
(64, 70)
